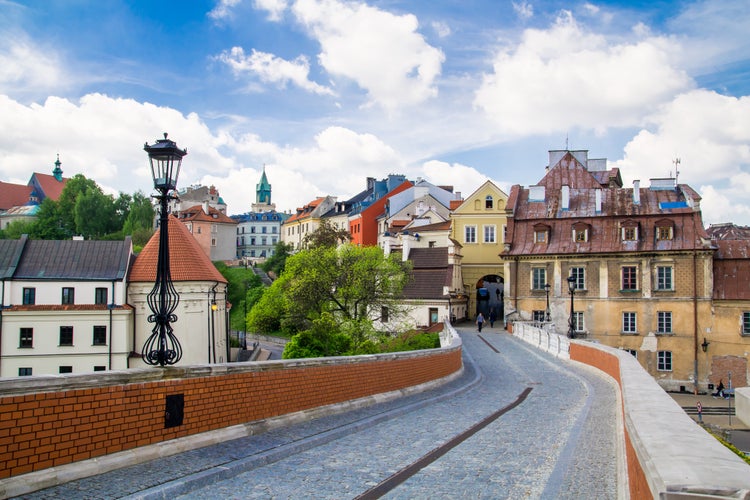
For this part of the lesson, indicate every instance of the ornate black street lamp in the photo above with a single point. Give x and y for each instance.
(162, 347)
(547, 315)
(571, 322)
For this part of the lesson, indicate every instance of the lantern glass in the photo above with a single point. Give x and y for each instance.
(571, 284)
(165, 159)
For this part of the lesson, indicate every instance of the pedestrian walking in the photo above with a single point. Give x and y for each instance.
(493, 317)
(480, 321)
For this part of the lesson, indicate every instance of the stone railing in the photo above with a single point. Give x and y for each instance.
(668, 454)
(55, 429)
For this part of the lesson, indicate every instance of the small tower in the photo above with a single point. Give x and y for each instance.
(57, 172)
(263, 195)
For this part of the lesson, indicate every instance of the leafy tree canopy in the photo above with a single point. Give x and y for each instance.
(326, 235)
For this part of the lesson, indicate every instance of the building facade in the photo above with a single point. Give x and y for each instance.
(639, 261)
(480, 223)
(305, 220)
(213, 230)
(64, 306)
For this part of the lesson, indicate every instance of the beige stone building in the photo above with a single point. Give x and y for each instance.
(638, 259)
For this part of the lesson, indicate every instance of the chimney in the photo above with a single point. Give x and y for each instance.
(565, 198)
(405, 248)
(636, 192)
(205, 207)
(598, 201)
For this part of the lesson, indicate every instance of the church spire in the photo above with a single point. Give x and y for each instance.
(263, 190)
(57, 172)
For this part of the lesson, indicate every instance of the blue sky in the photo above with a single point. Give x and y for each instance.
(325, 93)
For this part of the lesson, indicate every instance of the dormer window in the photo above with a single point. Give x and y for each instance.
(581, 232)
(541, 233)
(629, 231)
(664, 233)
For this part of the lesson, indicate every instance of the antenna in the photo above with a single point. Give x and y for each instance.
(676, 162)
(566, 143)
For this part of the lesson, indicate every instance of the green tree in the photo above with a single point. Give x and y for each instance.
(274, 265)
(268, 314)
(17, 228)
(322, 339)
(95, 214)
(140, 214)
(326, 235)
(74, 187)
(49, 223)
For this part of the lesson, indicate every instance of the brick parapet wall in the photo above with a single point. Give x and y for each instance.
(667, 454)
(49, 421)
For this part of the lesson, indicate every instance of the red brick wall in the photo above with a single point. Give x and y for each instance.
(609, 364)
(45, 429)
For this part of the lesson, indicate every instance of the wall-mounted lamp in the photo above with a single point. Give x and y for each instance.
(705, 344)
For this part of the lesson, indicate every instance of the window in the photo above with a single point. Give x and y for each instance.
(664, 233)
(24, 372)
(629, 234)
(580, 235)
(540, 236)
(489, 234)
(214, 228)
(664, 322)
(664, 361)
(470, 234)
(488, 202)
(273, 229)
(252, 229)
(66, 369)
(263, 241)
(100, 368)
(632, 352)
(263, 229)
(213, 242)
(579, 273)
(100, 335)
(664, 277)
(629, 278)
(66, 335)
(252, 241)
(383, 314)
(68, 295)
(538, 316)
(578, 321)
(29, 296)
(538, 278)
(629, 323)
(26, 337)
(199, 230)
(100, 296)
(746, 323)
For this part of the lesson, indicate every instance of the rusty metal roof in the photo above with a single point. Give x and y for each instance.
(617, 207)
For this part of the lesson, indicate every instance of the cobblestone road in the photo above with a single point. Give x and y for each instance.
(558, 442)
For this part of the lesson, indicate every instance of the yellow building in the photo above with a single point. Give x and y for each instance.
(638, 260)
(479, 225)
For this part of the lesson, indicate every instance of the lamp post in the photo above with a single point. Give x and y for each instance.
(547, 315)
(162, 347)
(571, 323)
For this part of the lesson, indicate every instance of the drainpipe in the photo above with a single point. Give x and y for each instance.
(211, 325)
(695, 319)
(111, 336)
(2, 306)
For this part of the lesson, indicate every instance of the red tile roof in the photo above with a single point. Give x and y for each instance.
(305, 210)
(188, 261)
(196, 214)
(13, 195)
(51, 187)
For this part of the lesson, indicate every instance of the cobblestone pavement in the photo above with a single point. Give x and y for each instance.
(558, 442)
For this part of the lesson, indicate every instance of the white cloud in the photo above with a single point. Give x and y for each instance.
(708, 132)
(273, 69)
(223, 9)
(442, 29)
(26, 68)
(275, 8)
(382, 52)
(523, 9)
(567, 77)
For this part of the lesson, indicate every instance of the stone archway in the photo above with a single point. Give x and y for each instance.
(489, 295)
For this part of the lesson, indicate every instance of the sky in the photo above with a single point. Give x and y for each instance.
(325, 93)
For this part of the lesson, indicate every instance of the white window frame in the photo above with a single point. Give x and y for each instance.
(580, 277)
(664, 361)
(470, 234)
(492, 236)
(664, 323)
(538, 277)
(629, 322)
(579, 322)
(745, 323)
(664, 282)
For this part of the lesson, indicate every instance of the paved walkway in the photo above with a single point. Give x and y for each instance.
(516, 424)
